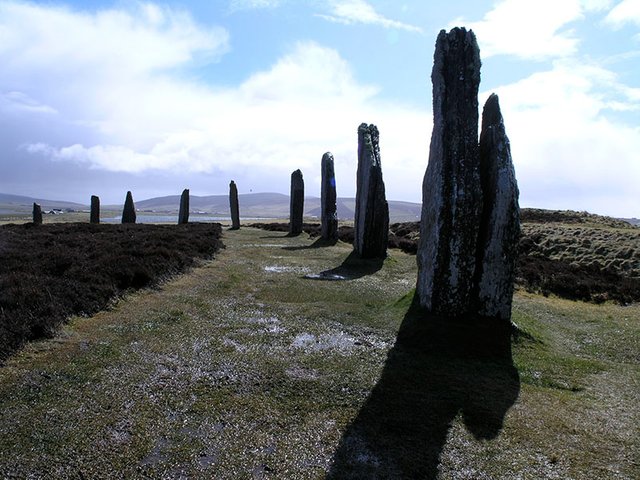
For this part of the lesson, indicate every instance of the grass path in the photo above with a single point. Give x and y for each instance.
(244, 369)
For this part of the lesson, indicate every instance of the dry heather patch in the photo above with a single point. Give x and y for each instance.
(50, 272)
(574, 255)
(608, 249)
(592, 263)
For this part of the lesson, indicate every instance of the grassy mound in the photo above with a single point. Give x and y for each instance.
(50, 272)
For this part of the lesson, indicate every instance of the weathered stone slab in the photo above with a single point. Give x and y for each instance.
(372, 211)
(37, 214)
(234, 206)
(183, 214)
(296, 206)
(329, 215)
(129, 210)
(500, 225)
(94, 215)
(452, 198)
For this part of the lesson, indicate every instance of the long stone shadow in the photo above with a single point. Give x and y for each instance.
(438, 369)
(351, 268)
(319, 243)
(271, 237)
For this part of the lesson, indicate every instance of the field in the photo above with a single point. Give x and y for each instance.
(574, 255)
(245, 369)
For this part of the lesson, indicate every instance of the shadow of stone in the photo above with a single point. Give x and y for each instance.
(271, 237)
(319, 243)
(439, 368)
(351, 268)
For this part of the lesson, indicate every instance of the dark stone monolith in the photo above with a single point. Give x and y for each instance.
(329, 215)
(183, 214)
(37, 214)
(296, 206)
(129, 210)
(372, 211)
(500, 225)
(94, 216)
(234, 206)
(451, 199)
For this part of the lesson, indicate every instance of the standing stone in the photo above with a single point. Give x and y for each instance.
(37, 214)
(500, 225)
(183, 214)
(94, 216)
(235, 208)
(129, 211)
(296, 206)
(372, 211)
(451, 198)
(329, 215)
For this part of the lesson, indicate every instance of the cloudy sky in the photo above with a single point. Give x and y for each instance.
(101, 97)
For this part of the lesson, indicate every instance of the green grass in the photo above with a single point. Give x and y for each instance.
(244, 369)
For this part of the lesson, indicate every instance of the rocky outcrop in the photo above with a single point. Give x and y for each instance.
(94, 215)
(234, 206)
(37, 214)
(329, 215)
(129, 210)
(500, 224)
(296, 206)
(183, 214)
(371, 224)
(469, 225)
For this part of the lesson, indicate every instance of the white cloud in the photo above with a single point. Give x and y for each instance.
(627, 11)
(144, 119)
(350, 12)
(596, 5)
(568, 151)
(21, 102)
(138, 42)
(530, 30)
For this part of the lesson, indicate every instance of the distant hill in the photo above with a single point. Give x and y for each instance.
(271, 205)
(276, 205)
(10, 204)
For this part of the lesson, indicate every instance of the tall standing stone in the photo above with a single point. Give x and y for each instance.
(183, 214)
(37, 214)
(234, 206)
(94, 216)
(329, 215)
(452, 200)
(372, 211)
(129, 210)
(296, 206)
(500, 225)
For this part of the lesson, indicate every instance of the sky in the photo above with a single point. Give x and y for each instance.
(100, 97)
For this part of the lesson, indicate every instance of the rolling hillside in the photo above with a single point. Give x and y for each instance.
(10, 204)
(271, 205)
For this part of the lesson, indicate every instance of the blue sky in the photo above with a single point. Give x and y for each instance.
(101, 97)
